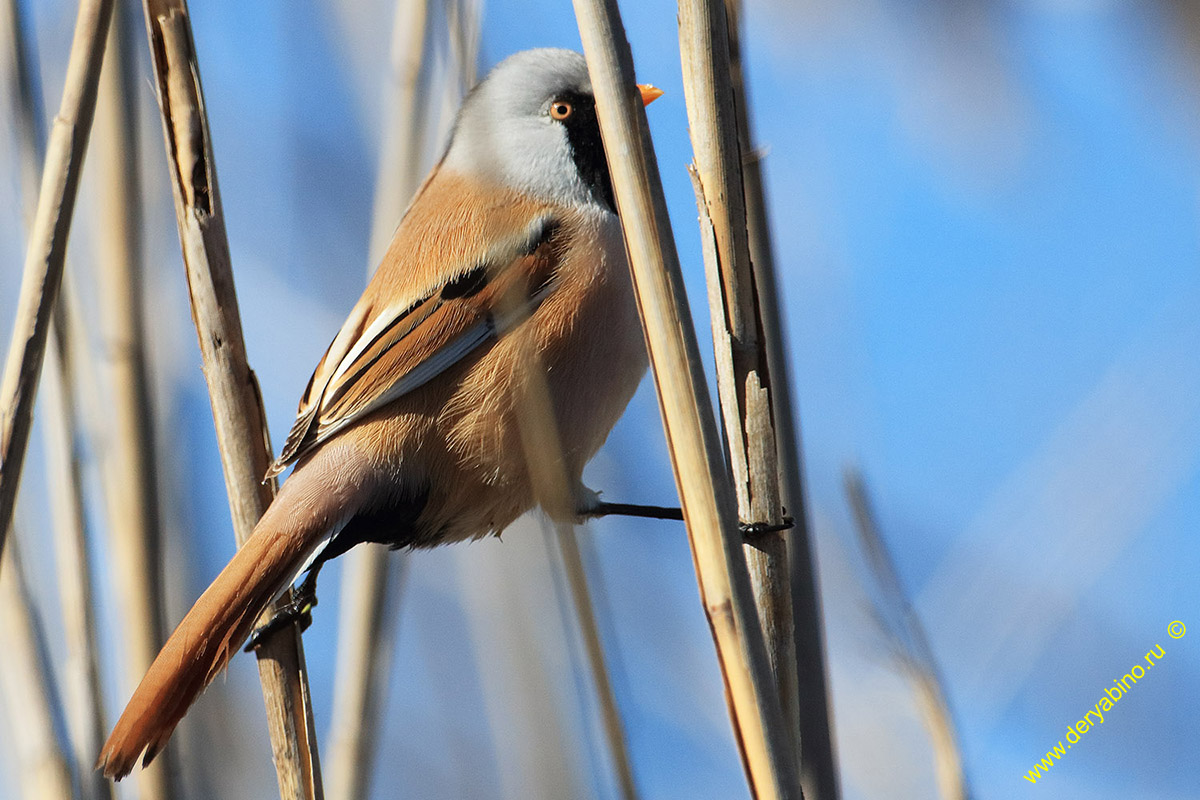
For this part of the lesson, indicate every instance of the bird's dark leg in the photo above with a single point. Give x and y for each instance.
(750, 529)
(602, 509)
(298, 610)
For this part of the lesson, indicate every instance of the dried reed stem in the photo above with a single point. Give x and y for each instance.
(81, 674)
(752, 453)
(25, 682)
(700, 474)
(366, 629)
(233, 389)
(44, 259)
(818, 764)
(910, 644)
(743, 381)
(130, 475)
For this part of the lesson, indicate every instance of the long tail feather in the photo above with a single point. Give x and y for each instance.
(209, 635)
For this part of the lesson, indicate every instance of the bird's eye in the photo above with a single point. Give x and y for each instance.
(560, 110)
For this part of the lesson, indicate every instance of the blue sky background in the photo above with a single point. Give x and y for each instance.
(986, 230)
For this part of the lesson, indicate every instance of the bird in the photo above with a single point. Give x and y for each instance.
(507, 268)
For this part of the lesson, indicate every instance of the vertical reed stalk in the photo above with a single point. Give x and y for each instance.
(700, 474)
(743, 381)
(25, 682)
(545, 462)
(236, 400)
(130, 476)
(530, 738)
(463, 19)
(366, 629)
(81, 674)
(818, 762)
(47, 249)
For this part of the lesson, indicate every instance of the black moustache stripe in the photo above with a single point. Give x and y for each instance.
(587, 150)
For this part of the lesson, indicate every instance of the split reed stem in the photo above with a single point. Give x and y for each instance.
(743, 380)
(233, 389)
(700, 473)
(818, 760)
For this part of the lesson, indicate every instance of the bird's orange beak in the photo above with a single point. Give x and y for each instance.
(649, 93)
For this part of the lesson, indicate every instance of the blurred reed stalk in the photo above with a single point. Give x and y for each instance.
(129, 475)
(544, 459)
(28, 695)
(818, 763)
(81, 673)
(910, 644)
(700, 473)
(463, 18)
(589, 630)
(515, 658)
(47, 246)
(372, 575)
(743, 381)
(237, 403)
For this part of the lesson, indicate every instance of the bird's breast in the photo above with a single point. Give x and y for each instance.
(558, 381)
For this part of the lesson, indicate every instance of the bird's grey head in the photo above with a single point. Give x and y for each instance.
(531, 125)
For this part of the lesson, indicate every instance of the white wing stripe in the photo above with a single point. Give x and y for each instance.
(444, 358)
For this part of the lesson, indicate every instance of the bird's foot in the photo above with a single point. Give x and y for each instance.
(298, 610)
(751, 529)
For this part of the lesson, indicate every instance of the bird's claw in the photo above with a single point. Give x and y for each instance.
(751, 529)
(298, 611)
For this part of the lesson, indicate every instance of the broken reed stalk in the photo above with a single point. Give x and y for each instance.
(47, 247)
(25, 682)
(367, 618)
(130, 474)
(910, 643)
(700, 474)
(233, 389)
(743, 380)
(818, 763)
(81, 672)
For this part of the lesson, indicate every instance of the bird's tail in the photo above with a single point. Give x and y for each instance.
(217, 625)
